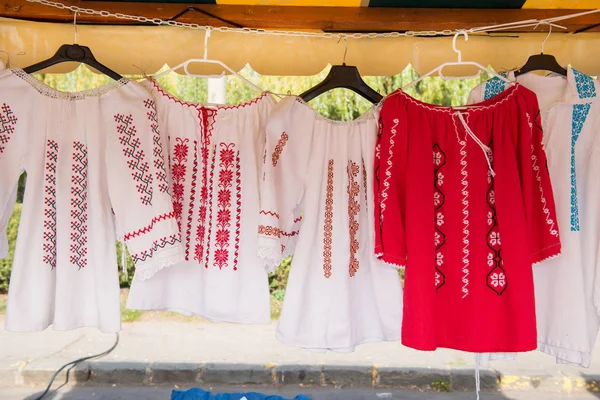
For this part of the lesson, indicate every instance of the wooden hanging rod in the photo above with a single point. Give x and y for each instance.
(329, 19)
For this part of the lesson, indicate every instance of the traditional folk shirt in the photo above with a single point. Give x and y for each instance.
(567, 288)
(466, 205)
(215, 158)
(91, 158)
(316, 203)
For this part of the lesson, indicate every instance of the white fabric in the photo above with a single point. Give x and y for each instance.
(567, 288)
(4, 218)
(317, 191)
(229, 284)
(87, 155)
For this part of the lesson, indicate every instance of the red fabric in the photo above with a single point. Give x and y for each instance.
(467, 239)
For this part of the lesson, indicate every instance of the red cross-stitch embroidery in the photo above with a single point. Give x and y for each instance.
(188, 231)
(178, 172)
(159, 160)
(439, 160)
(210, 213)
(279, 148)
(238, 210)
(328, 228)
(8, 120)
(157, 244)
(274, 231)
(49, 246)
(148, 228)
(353, 210)
(79, 205)
(140, 170)
(227, 158)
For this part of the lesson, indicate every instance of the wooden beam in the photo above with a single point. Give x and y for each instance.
(331, 19)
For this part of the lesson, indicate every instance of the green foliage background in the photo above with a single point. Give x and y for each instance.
(338, 104)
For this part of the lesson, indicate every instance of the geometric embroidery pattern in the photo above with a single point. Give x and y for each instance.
(439, 160)
(178, 172)
(7, 125)
(494, 87)
(49, 246)
(140, 170)
(158, 244)
(148, 228)
(210, 203)
(496, 277)
(585, 89)
(188, 231)
(238, 209)
(279, 148)
(268, 230)
(227, 157)
(353, 210)
(79, 205)
(159, 160)
(328, 228)
(465, 201)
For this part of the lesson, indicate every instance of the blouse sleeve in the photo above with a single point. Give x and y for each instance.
(284, 172)
(13, 148)
(139, 190)
(390, 240)
(537, 192)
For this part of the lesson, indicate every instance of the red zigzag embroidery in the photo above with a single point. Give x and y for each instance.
(148, 228)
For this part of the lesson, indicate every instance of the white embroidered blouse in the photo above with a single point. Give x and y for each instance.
(91, 158)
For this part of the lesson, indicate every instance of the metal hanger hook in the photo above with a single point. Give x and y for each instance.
(75, 27)
(549, 33)
(345, 49)
(456, 35)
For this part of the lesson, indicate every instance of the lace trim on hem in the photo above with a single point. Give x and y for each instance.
(269, 253)
(46, 90)
(164, 259)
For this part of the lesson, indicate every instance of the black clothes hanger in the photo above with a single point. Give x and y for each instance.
(542, 62)
(76, 53)
(343, 76)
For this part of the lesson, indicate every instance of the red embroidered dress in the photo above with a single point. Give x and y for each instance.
(465, 203)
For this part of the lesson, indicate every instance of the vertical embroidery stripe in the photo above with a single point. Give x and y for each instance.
(159, 160)
(388, 169)
(222, 235)
(439, 239)
(8, 120)
(206, 123)
(465, 202)
(328, 229)
(238, 210)
(49, 246)
(79, 205)
(279, 148)
(188, 231)
(178, 173)
(140, 169)
(353, 190)
(210, 202)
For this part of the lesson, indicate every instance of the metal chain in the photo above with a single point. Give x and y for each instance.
(160, 22)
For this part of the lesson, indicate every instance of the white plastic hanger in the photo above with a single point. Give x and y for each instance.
(205, 60)
(459, 62)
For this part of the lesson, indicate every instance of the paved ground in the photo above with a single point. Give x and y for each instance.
(202, 353)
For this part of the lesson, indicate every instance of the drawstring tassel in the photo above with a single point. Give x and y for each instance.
(486, 150)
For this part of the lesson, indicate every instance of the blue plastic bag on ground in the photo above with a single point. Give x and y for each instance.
(199, 394)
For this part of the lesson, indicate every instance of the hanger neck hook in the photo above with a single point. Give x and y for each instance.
(206, 36)
(549, 33)
(456, 35)
(75, 27)
(345, 49)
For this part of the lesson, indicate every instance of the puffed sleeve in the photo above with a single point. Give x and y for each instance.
(390, 186)
(285, 169)
(139, 190)
(536, 187)
(13, 147)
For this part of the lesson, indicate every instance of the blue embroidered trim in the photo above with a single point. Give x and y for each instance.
(494, 87)
(585, 90)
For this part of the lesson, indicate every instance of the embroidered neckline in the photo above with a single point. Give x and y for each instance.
(367, 116)
(48, 91)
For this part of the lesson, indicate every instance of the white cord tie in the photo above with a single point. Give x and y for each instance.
(486, 150)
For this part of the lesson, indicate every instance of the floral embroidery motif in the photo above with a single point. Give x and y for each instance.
(227, 157)
(188, 231)
(140, 170)
(210, 212)
(49, 247)
(159, 160)
(585, 89)
(158, 244)
(494, 87)
(279, 148)
(353, 210)
(238, 210)
(79, 205)
(328, 228)
(439, 239)
(496, 278)
(8, 120)
(148, 228)
(178, 172)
